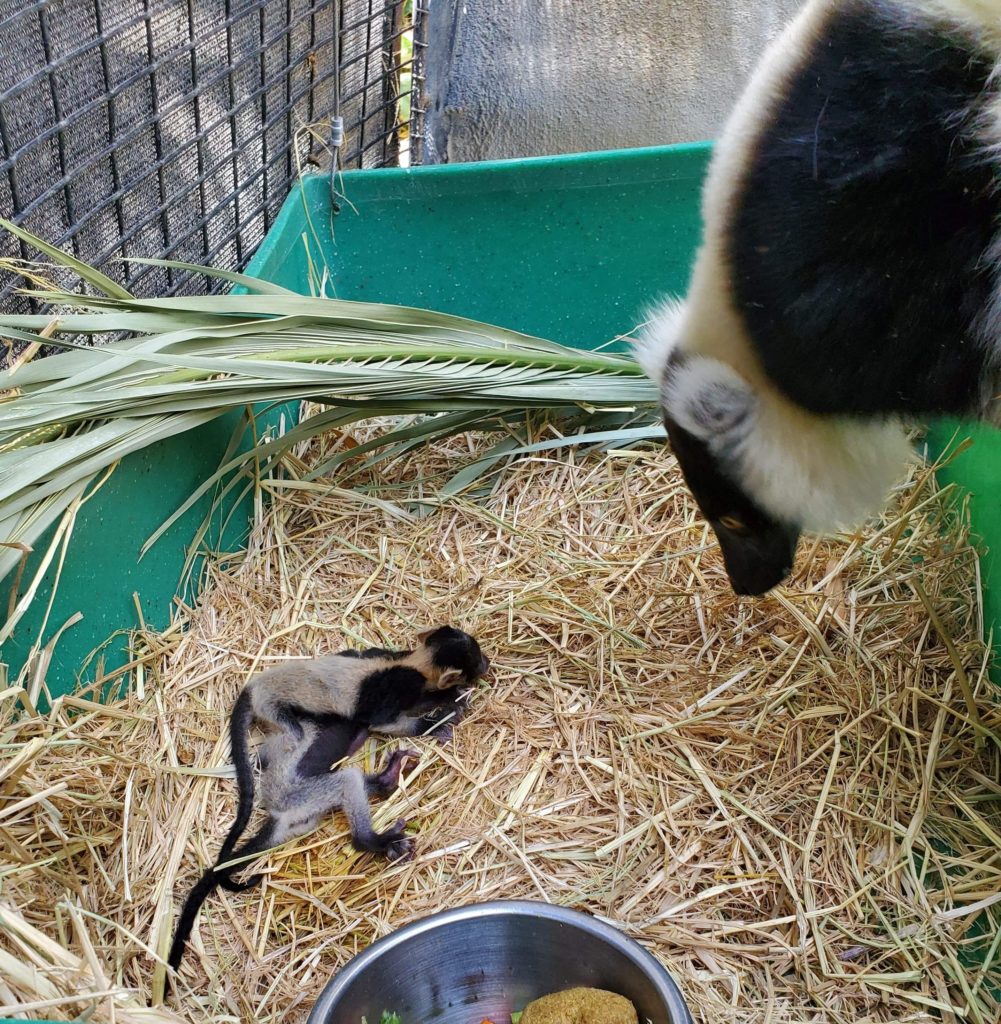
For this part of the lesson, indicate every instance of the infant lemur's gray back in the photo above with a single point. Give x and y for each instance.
(334, 684)
(327, 685)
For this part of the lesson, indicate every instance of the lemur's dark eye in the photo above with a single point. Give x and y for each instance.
(732, 523)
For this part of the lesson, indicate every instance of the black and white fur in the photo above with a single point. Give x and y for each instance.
(847, 284)
(397, 693)
(318, 712)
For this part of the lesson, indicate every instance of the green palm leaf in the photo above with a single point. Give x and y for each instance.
(185, 360)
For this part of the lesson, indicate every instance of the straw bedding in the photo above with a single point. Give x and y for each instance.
(793, 802)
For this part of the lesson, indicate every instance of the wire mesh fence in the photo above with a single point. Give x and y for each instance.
(377, 89)
(175, 128)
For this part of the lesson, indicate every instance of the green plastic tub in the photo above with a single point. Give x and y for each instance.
(570, 248)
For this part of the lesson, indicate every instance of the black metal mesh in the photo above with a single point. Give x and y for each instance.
(175, 128)
(378, 41)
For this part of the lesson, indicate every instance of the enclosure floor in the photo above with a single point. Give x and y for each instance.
(787, 800)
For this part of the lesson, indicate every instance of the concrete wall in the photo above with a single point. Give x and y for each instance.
(508, 78)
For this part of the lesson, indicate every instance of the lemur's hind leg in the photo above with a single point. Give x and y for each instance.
(392, 843)
(349, 789)
(317, 796)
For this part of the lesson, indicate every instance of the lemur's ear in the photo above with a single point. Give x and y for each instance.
(450, 677)
(707, 398)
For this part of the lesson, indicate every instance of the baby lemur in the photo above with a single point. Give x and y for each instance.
(317, 713)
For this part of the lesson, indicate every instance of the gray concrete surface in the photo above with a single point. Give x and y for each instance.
(508, 78)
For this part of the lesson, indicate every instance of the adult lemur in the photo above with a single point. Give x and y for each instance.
(848, 279)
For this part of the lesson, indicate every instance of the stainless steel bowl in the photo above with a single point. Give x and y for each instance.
(488, 960)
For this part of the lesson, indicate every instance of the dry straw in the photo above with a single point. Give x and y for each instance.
(793, 802)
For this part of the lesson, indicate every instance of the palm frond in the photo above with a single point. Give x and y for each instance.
(186, 360)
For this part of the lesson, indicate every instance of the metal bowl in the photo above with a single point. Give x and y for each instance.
(488, 960)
